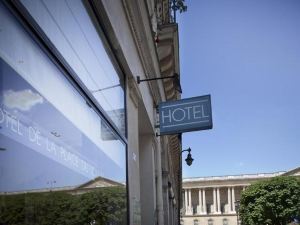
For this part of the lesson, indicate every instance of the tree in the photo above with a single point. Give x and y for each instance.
(273, 202)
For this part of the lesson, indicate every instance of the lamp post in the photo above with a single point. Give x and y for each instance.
(237, 209)
(50, 183)
(189, 160)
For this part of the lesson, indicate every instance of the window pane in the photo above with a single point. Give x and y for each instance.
(68, 25)
(60, 163)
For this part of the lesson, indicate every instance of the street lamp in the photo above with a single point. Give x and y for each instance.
(189, 160)
(50, 183)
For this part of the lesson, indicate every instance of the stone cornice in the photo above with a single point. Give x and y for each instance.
(232, 177)
(210, 215)
(168, 54)
(215, 186)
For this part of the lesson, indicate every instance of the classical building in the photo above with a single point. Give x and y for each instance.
(71, 109)
(214, 200)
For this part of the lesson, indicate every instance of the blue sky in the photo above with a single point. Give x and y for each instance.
(246, 54)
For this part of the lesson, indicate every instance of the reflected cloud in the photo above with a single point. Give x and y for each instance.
(23, 100)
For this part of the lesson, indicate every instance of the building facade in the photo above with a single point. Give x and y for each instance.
(214, 200)
(72, 112)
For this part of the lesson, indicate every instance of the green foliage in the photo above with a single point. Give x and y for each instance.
(273, 202)
(100, 207)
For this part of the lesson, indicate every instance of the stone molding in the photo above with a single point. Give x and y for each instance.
(140, 28)
(134, 91)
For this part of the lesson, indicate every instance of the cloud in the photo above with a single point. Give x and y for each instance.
(23, 100)
(240, 164)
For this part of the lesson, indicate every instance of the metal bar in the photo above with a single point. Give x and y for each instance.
(150, 79)
(174, 10)
(186, 150)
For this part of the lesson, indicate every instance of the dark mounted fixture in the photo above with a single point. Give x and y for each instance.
(189, 160)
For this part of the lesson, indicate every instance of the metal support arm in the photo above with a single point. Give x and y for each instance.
(187, 150)
(138, 79)
(175, 78)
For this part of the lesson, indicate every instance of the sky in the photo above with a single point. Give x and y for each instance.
(246, 55)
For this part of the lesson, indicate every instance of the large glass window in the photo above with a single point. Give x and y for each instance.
(60, 163)
(69, 27)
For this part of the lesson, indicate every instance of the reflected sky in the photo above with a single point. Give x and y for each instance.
(41, 145)
(49, 136)
(68, 25)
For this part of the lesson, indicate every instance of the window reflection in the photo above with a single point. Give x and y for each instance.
(37, 135)
(60, 163)
(69, 27)
(102, 206)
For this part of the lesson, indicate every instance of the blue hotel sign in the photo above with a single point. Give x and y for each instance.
(185, 115)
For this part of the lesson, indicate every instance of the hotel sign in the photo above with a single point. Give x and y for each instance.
(185, 115)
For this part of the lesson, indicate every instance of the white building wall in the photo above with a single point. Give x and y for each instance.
(127, 21)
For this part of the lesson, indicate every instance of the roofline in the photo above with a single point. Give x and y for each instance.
(99, 178)
(234, 177)
(291, 171)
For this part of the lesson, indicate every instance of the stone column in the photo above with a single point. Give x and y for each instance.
(233, 200)
(229, 200)
(201, 201)
(218, 201)
(185, 200)
(200, 206)
(189, 210)
(190, 197)
(204, 202)
(214, 200)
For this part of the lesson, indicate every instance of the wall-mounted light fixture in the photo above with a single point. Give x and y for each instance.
(189, 160)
